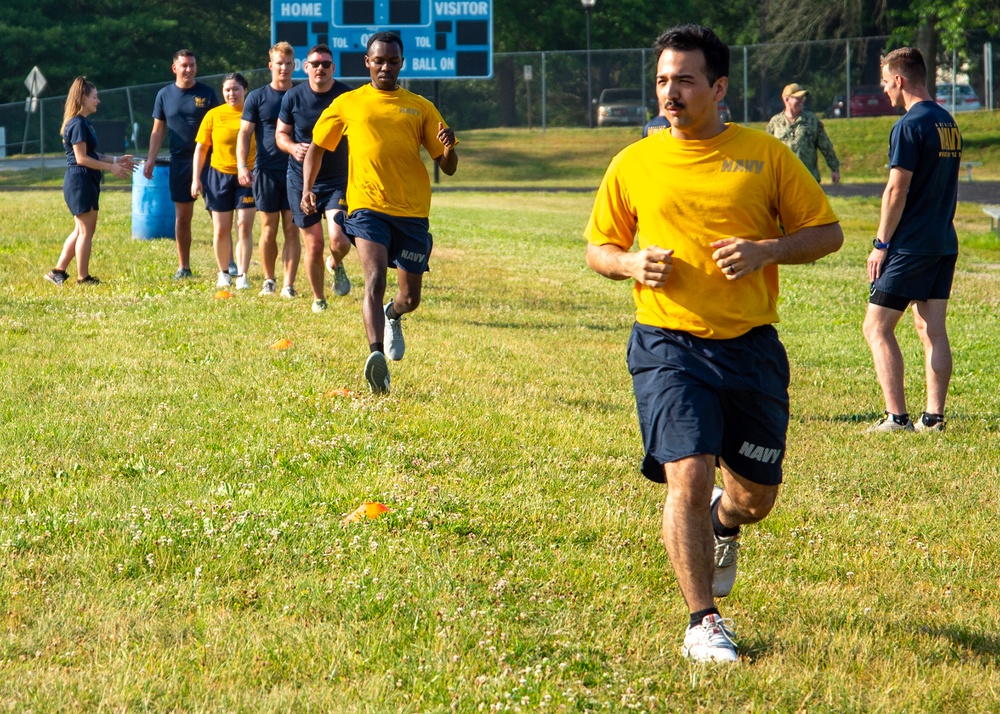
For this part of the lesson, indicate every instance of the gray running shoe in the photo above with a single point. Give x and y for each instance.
(377, 373)
(393, 337)
(268, 288)
(889, 423)
(182, 273)
(726, 550)
(341, 283)
(56, 277)
(233, 270)
(319, 305)
(711, 641)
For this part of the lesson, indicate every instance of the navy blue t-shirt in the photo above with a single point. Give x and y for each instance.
(301, 108)
(262, 108)
(927, 142)
(79, 130)
(657, 123)
(183, 110)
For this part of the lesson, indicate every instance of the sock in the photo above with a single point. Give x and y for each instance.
(390, 312)
(377, 347)
(720, 530)
(697, 617)
(900, 418)
(931, 419)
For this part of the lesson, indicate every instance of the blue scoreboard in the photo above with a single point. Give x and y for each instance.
(442, 39)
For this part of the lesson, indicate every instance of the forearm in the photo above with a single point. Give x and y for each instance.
(155, 142)
(609, 260)
(243, 144)
(448, 161)
(804, 246)
(310, 166)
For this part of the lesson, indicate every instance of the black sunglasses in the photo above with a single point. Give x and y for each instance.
(325, 64)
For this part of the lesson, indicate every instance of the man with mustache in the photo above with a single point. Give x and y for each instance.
(715, 208)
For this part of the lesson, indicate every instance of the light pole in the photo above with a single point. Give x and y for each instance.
(588, 6)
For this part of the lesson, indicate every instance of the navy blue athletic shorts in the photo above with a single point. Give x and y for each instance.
(270, 190)
(907, 277)
(327, 199)
(695, 396)
(181, 171)
(223, 192)
(407, 240)
(82, 189)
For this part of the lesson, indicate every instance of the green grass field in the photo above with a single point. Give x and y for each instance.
(173, 488)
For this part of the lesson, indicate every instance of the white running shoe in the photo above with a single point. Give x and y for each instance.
(268, 288)
(726, 550)
(393, 337)
(242, 282)
(224, 281)
(289, 292)
(711, 641)
(377, 373)
(319, 305)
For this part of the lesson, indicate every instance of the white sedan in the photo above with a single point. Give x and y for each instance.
(965, 98)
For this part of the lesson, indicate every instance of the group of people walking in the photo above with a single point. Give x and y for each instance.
(282, 151)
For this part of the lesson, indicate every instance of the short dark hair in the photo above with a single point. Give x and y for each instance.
(908, 63)
(695, 37)
(385, 37)
(236, 77)
(183, 53)
(320, 49)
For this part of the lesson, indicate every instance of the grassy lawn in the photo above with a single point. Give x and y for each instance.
(173, 487)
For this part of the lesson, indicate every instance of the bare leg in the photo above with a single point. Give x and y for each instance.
(244, 231)
(340, 244)
(184, 212)
(687, 528)
(880, 332)
(291, 252)
(269, 242)
(407, 298)
(312, 237)
(929, 319)
(374, 262)
(222, 224)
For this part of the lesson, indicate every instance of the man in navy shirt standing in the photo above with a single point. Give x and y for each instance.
(267, 176)
(177, 114)
(300, 109)
(916, 247)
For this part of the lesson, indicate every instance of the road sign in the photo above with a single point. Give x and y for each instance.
(442, 39)
(35, 82)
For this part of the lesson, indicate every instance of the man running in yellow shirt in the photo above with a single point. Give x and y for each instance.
(388, 191)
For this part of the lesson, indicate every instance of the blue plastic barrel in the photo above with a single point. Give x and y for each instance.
(152, 209)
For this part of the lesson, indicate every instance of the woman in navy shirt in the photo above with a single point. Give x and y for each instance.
(82, 184)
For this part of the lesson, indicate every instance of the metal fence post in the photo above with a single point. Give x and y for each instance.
(544, 95)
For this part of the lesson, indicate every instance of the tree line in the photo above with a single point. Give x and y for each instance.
(128, 42)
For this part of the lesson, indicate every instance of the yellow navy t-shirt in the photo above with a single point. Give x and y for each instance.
(386, 131)
(219, 130)
(684, 195)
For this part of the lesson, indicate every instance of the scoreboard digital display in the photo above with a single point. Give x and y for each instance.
(442, 39)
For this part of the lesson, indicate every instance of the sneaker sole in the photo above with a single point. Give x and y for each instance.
(377, 373)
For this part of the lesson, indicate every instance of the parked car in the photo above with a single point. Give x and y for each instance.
(966, 99)
(870, 101)
(621, 107)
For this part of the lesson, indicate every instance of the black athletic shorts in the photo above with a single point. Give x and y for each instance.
(696, 396)
(907, 277)
(270, 190)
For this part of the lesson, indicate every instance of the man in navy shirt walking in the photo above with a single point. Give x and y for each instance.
(268, 175)
(300, 109)
(916, 247)
(177, 114)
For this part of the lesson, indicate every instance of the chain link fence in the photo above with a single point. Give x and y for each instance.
(546, 89)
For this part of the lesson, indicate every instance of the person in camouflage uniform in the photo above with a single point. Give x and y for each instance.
(803, 132)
